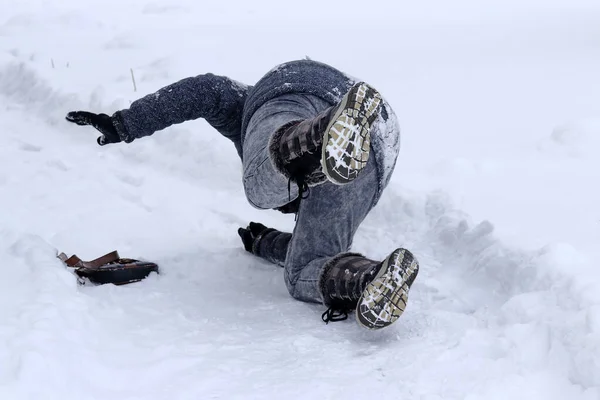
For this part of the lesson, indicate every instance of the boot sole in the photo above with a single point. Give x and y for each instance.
(384, 299)
(347, 139)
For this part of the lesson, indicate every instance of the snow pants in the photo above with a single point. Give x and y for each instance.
(327, 219)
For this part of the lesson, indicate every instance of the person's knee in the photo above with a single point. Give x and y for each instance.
(249, 185)
(290, 284)
(252, 194)
(302, 290)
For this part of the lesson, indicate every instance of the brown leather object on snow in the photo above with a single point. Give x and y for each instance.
(110, 268)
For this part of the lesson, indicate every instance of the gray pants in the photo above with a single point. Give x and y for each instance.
(327, 219)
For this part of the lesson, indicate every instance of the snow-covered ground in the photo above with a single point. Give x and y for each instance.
(497, 192)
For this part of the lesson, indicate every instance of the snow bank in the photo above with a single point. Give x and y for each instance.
(499, 207)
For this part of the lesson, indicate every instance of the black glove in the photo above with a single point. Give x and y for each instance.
(101, 122)
(254, 231)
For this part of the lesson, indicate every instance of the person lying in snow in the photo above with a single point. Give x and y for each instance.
(309, 124)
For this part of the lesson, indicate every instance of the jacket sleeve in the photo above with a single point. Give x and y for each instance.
(217, 99)
(272, 246)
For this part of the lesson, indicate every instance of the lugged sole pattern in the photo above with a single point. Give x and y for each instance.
(384, 299)
(347, 139)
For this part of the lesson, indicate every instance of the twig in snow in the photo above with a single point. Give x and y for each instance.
(133, 80)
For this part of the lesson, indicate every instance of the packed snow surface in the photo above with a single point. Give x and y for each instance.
(496, 191)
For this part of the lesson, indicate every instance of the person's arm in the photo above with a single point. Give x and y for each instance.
(218, 99)
(266, 243)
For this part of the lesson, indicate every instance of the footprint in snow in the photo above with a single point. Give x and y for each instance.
(131, 180)
(58, 164)
(29, 147)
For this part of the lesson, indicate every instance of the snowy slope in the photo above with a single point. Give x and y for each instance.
(496, 192)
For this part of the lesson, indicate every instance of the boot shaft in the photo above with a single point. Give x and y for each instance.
(345, 277)
(304, 137)
(296, 148)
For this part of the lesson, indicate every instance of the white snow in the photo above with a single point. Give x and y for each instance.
(496, 191)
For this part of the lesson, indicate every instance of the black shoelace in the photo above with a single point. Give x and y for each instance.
(334, 314)
(303, 190)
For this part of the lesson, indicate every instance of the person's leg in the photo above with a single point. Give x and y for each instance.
(302, 139)
(319, 267)
(266, 187)
(327, 221)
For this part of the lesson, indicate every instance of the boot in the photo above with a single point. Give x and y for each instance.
(378, 291)
(334, 145)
